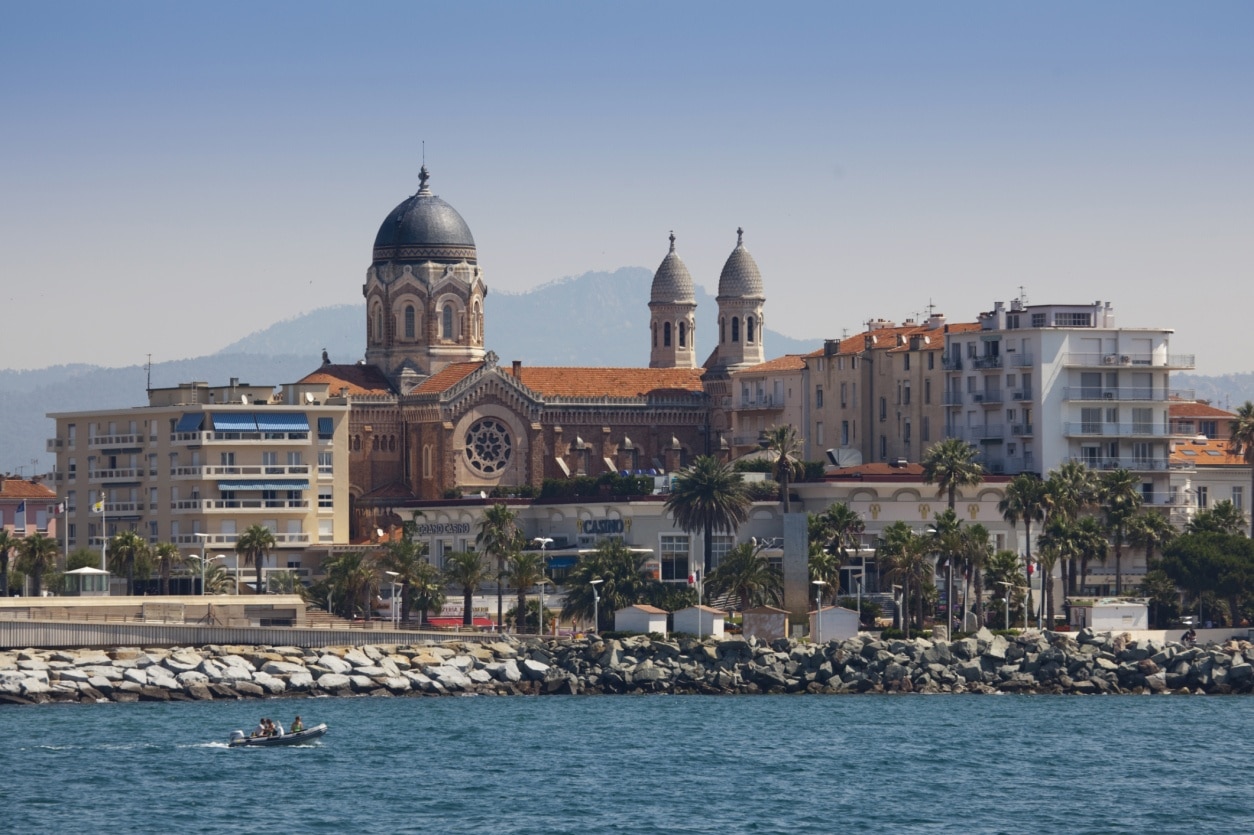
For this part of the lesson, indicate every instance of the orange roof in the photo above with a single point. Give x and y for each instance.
(788, 362)
(878, 468)
(450, 376)
(1211, 452)
(358, 379)
(20, 488)
(608, 382)
(1185, 409)
(887, 337)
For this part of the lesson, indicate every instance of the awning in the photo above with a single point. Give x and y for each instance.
(234, 422)
(282, 422)
(272, 484)
(326, 426)
(453, 623)
(190, 422)
(563, 562)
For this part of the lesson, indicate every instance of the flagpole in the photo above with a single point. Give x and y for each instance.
(104, 530)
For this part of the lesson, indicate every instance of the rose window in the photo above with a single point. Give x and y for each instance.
(488, 446)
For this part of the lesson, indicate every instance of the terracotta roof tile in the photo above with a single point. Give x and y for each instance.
(20, 488)
(358, 379)
(608, 382)
(1212, 452)
(447, 378)
(1185, 409)
(788, 362)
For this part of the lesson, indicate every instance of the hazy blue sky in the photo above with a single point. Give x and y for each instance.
(174, 175)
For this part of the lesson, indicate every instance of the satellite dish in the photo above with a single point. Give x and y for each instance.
(243, 398)
(309, 398)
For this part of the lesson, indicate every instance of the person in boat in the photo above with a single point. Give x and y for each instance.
(260, 730)
(297, 725)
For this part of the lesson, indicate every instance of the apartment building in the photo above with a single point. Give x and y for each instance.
(1036, 386)
(770, 394)
(198, 465)
(879, 395)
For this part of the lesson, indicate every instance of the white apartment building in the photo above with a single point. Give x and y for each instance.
(199, 465)
(1037, 386)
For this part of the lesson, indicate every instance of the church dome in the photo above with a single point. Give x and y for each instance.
(672, 283)
(740, 276)
(424, 228)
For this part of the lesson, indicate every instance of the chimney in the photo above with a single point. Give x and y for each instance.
(517, 369)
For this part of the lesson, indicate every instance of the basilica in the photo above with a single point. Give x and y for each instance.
(434, 413)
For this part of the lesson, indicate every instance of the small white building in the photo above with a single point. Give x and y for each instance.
(640, 618)
(766, 623)
(1111, 614)
(833, 623)
(700, 620)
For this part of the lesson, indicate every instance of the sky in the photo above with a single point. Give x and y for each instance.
(174, 176)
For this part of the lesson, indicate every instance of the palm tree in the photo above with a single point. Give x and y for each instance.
(427, 590)
(404, 558)
(37, 553)
(843, 527)
(1005, 577)
(1222, 517)
(1070, 490)
(499, 537)
(623, 582)
(946, 541)
(1025, 501)
(746, 572)
(253, 545)
(7, 543)
(905, 554)
(352, 581)
(525, 569)
(1121, 499)
(168, 556)
(1090, 544)
(951, 464)
(825, 568)
(977, 549)
(709, 497)
(126, 550)
(1241, 438)
(1152, 531)
(784, 445)
(467, 570)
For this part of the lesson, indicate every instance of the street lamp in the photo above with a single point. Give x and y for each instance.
(542, 582)
(396, 612)
(1008, 587)
(203, 537)
(203, 562)
(596, 604)
(818, 610)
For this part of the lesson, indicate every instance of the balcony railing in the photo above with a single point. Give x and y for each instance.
(225, 471)
(953, 398)
(988, 398)
(986, 362)
(1024, 429)
(951, 363)
(1019, 395)
(1015, 359)
(197, 438)
(236, 505)
(976, 433)
(1134, 464)
(1154, 360)
(766, 401)
(113, 475)
(229, 539)
(1126, 393)
(117, 440)
(1081, 429)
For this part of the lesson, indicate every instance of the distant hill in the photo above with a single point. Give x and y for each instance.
(597, 319)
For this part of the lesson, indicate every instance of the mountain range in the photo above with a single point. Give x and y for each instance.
(596, 319)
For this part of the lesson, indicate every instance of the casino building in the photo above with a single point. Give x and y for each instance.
(434, 413)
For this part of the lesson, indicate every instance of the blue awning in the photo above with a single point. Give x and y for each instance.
(563, 562)
(272, 484)
(282, 422)
(190, 422)
(326, 426)
(234, 422)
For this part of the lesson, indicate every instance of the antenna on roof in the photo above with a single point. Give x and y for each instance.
(1023, 296)
(149, 384)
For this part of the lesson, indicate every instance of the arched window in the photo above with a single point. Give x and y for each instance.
(735, 329)
(378, 324)
(749, 329)
(722, 331)
(446, 322)
(410, 321)
(655, 334)
(476, 324)
(683, 334)
(666, 335)
(426, 460)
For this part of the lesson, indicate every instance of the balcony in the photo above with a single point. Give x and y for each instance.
(117, 440)
(951, 363)
(1154, 360)
(128, 473)
(1133, 464)
(953, 398)
(765, 401)
(218, 540)
(1126, 394)
(1174, 498)
(1019, 395)
(986, 363)
(234, 438)
(1088, 429)
(1025, 430)
(238, 505)
(987, 398)
(976, 433)
(1014, 359)
(57, 443)
(251, 471)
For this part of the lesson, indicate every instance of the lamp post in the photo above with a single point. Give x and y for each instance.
(1008, 587)
(203, 537)
(544, 581)
(596, 604)
(203, 562)
(396, 612)
(818, 610)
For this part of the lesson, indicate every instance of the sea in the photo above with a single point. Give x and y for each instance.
(638, 764)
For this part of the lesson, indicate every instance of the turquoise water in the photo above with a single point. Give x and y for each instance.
(639, 764)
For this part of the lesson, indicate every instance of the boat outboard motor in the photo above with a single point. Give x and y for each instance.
(236, 736)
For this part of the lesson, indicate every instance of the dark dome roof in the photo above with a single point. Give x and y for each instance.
(740, 275)
(672, 283)
(424, 228)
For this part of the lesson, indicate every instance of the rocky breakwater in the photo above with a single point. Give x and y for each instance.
(985, 663)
